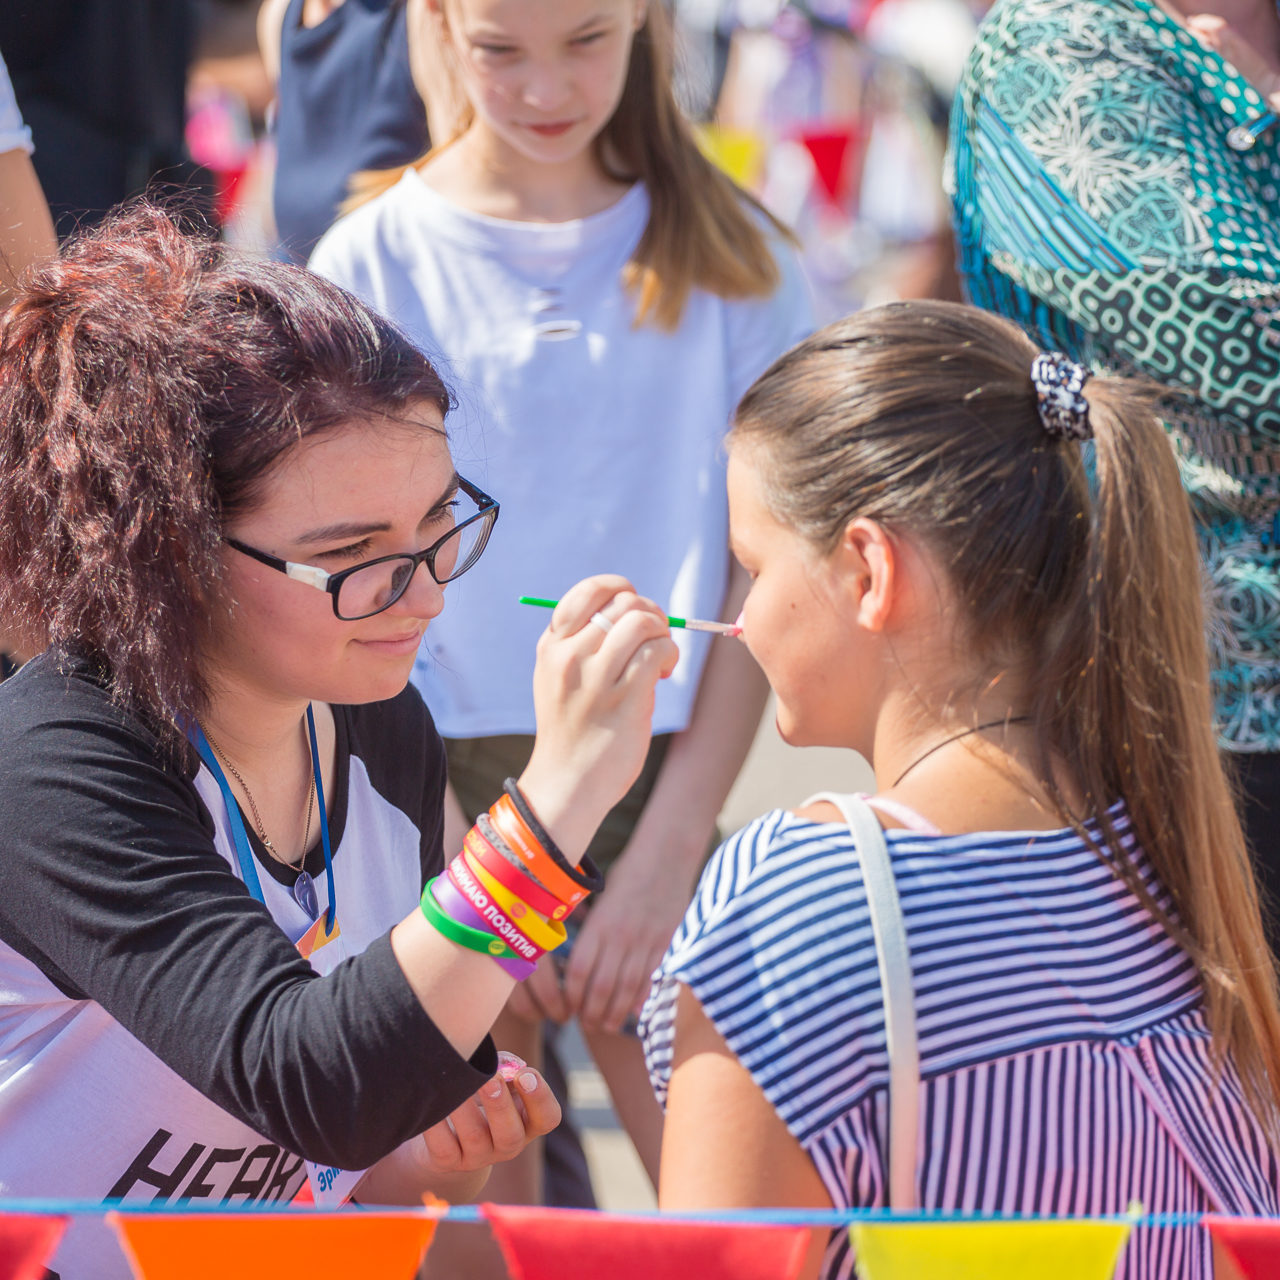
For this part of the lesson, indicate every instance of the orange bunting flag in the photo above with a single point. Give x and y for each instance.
(550, 1244)
(1245, 1248)
(27, 1242)
(266, 1246)
(830, 150)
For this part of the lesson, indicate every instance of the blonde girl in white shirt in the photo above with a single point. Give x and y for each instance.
(603, 296)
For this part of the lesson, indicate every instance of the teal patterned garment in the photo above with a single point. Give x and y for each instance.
(1098, 204)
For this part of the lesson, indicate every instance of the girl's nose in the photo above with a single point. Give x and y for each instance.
(546, 87)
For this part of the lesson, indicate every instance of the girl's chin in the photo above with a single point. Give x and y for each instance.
(373, 686)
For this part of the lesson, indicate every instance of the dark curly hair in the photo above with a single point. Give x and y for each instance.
(149, 381)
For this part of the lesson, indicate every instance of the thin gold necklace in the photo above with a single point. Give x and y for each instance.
(257, 817)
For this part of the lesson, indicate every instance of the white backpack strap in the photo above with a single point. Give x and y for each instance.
(894, 958)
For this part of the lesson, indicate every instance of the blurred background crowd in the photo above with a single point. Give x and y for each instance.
(833, 111)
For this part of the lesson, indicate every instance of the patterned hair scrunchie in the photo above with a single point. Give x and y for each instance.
(1059, 384)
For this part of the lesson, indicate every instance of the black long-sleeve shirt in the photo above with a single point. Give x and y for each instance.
(160, 1035)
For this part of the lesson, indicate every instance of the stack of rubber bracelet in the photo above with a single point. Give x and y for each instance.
(508, 892)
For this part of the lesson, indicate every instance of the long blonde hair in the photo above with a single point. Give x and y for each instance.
(923, 416)
(703, 232)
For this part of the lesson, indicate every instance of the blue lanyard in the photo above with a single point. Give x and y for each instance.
(244, 852)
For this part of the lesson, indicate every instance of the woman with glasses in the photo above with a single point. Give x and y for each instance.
(229, 511)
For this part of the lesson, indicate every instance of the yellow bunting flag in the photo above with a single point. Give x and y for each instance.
(739, 153)
(266, 1246)
(1068, 1250)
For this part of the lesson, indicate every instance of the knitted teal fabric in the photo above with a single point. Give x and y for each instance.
(1097, 203)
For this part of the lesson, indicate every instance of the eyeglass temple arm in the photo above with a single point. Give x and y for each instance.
(309, 574)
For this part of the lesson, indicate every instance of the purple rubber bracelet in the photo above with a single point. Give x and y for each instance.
(455, 905)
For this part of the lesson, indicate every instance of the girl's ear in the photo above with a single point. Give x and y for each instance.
(872, 563)
(640, 15)
(433, 11)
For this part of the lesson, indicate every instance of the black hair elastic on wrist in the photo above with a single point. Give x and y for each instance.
(587, 875)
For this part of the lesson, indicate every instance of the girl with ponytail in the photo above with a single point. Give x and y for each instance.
(604, 296)
(1018, 647)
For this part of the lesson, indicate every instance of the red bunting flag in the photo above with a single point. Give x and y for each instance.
(829, 149)
(266, 1246)
(1245, 1248)
(550, 1244)
(27, 1242)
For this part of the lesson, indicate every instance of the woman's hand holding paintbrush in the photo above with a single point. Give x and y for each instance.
(687, 624)
(593, 696)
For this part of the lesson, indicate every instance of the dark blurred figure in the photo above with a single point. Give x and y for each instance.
(101, 83)
(345, 102)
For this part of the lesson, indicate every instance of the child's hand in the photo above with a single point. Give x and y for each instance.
(540, 997)
(598, 664)
(623, 939)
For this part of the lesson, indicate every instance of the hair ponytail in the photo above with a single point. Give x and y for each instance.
(703, 232)
(1137, 722)
(923, 416)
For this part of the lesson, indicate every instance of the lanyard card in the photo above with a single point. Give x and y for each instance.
(316, 937)
(332, 1187)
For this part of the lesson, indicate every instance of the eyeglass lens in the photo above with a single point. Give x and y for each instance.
(376, 586)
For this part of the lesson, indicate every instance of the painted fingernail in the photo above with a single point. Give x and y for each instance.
(527, 1081)
(509, 1065)
(493, 1089)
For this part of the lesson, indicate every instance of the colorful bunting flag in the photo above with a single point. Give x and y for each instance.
(552, 1244)
(831, 152)
(27, 1242)
(1245, 1248)
(739, 153)
(1068, 1250)
(266, 1246)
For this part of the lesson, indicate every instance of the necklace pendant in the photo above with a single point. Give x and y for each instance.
(268, 846)
(304, 894)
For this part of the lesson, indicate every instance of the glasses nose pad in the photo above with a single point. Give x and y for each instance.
(417, 573)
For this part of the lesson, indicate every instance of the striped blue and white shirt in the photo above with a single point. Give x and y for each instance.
(1064, 1056)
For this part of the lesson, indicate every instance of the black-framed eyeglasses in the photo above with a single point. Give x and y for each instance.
(375, 585)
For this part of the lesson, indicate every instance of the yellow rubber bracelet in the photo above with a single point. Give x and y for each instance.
(544, 933)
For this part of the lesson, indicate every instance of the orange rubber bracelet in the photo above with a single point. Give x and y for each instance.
(519, 839)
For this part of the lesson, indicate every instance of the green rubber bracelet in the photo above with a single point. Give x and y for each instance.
(464, 935)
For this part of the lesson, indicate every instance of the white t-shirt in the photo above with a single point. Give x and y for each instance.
(601, 440)
(13, 133)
